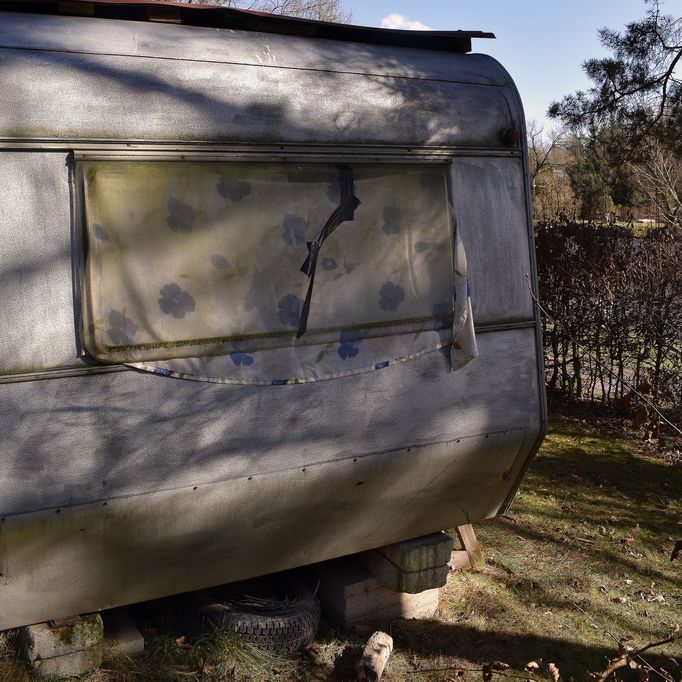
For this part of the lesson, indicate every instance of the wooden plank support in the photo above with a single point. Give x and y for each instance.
(164, 14)
(470, 543)
(84, 9)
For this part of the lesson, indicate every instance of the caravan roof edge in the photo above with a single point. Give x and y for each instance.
(166, 11)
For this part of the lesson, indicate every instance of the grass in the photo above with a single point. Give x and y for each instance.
(581, 561)
(214, 656)
(11, 668)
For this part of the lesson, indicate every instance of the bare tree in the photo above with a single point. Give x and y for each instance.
(320, 10)
(659, 178)
(548, 159)
(541, 147)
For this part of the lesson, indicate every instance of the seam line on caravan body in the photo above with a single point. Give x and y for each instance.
(350, 458)
(65, 372)
(265, 66)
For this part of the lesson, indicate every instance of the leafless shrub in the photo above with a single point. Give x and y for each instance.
(320, 10)
(617, 299)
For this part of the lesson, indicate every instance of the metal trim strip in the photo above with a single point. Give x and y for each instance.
(112, 149)
(540, 354)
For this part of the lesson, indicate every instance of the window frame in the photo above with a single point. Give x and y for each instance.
(280, 154)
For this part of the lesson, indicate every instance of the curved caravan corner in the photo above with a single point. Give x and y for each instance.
(165, 424)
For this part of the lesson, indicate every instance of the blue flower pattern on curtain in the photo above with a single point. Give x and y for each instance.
(174, 301)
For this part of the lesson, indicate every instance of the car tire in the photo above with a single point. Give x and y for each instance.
(277, 616)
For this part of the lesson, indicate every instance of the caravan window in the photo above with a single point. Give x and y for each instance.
(202, 269)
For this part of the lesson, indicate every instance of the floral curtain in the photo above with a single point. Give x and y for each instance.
(198, 269)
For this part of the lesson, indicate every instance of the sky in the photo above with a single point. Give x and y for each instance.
(542, 44)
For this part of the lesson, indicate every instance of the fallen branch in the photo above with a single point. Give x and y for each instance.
(487, 671)
(676, 635)
(627, 657)
(616, 663)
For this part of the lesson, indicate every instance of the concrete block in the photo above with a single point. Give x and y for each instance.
(64, 649)
(69, 665)
(44, 640)
(389, 575)
(120, 633)
(351, 594)
(459, 560)
(420, 553)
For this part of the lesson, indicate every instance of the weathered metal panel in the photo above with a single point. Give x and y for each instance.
(36, 305)
(85, 558)
(132, 80)
(125, 486)
(195, 44)
(59, 94)
(81, 439)
(490, 208)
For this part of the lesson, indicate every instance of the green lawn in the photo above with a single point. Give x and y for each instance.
(581, 561)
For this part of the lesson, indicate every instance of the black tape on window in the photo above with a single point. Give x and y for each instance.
(345, 211)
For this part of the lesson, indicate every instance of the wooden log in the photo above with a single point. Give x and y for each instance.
(374, 657)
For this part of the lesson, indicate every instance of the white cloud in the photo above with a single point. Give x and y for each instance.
(399, 21)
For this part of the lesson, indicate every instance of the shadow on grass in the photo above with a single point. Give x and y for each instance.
(434, 640)
(614, 557)
(600, 480)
